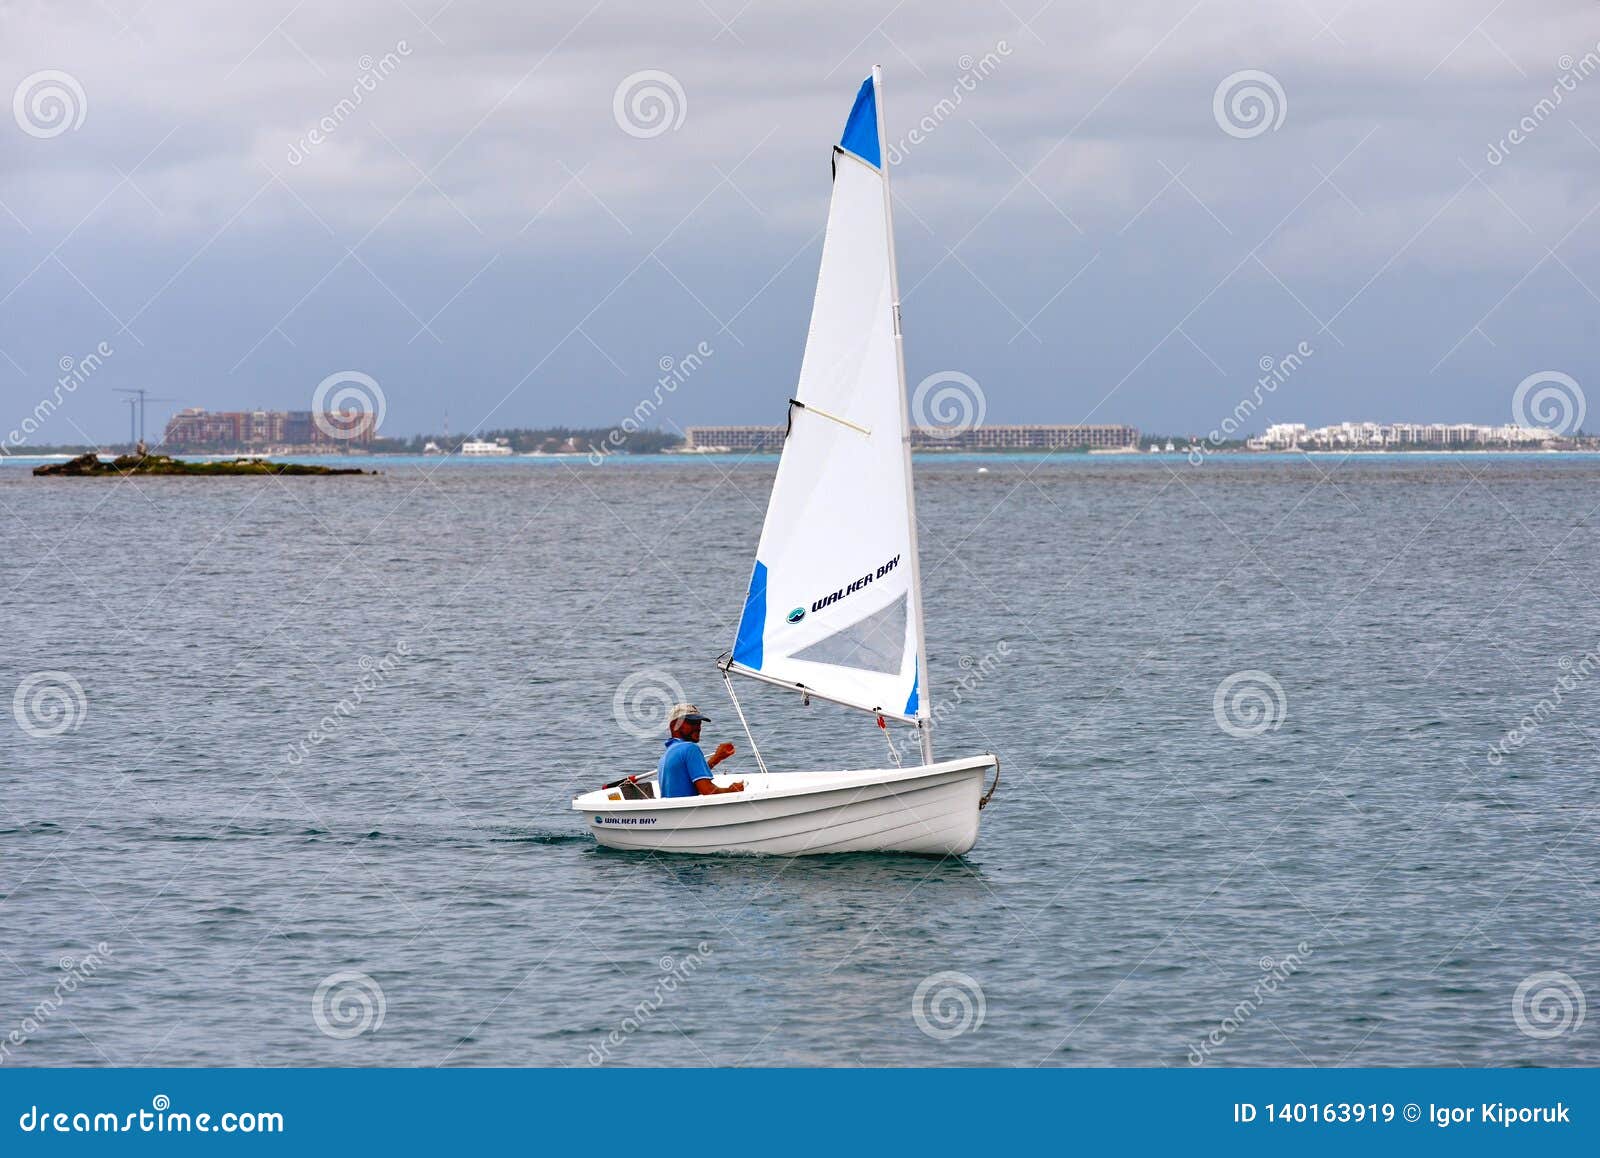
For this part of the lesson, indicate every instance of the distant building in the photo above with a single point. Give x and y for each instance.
(234, 429)
(1291, 435)
(756, 438)
(740, 438)
(482, 446)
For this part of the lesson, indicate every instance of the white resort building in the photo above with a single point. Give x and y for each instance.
(1376, 435)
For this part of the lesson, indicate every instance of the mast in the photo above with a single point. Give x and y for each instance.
(924, 732)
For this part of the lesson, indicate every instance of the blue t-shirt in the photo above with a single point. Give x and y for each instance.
(681, 765)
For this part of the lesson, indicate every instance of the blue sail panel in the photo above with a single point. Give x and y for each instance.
(916, 680)
(861, 129)
(747, 645)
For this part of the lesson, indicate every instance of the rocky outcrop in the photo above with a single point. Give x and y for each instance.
(91, 465)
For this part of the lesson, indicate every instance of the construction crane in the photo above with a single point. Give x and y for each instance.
(138, 402)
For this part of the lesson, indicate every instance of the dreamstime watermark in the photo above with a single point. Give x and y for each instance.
(1548, 400)
(49, 703)
(648, 103)
(1274, 373)
(1548, 1005)
(1249, 704)
(1248, 103)
(347, 404)
(347, 1004)
(375, 673)
(74, 373)
(1276, 973)
(642, 701)
(49, 103)
(73, 974)
(1573, 72)
(947, 404)
(974, 673)
(674, 373)
(973, 71)
(674, 972)
(1574, 672)
(372, 72)
(948, 1004)
(160, 1118)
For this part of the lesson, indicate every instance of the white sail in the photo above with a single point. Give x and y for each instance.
(834, 599)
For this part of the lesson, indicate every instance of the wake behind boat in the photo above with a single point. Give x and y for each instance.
(834, 609)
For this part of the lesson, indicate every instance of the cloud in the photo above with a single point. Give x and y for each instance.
(193, 198)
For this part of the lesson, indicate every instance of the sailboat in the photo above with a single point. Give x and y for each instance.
(834, 609)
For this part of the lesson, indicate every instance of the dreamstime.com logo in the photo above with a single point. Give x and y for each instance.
(947, 404)
(649, 103)
(1548, 1005)
(1574, 674)
(947, 1005)
(374, 674)
(642, 701)
(1249, 703)
(1275, 972)
(1248, 103)
(160, 1118)
(674, 972)
(343, 400)
(973, 71)
(1274, 373)
(74, 373)
(1573, 72)
(49, 103)
(674, 373)
(974, 673)
(1548, 400)
(49, 703)
(347, 1004)
(74, 973)
(371, 73)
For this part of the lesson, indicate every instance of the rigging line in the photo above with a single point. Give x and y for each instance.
(795, 403)
(894, 752)
(755, 751)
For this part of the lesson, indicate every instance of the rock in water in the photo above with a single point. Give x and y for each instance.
(86, 465)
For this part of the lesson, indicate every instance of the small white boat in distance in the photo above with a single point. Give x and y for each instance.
(834, 609)
(481, 446)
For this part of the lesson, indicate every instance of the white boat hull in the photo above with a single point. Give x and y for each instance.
(931, 809)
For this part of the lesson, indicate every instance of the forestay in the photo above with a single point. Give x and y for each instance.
(833, 604)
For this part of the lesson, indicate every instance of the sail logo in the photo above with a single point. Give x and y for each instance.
(828, 600)
(796, 615)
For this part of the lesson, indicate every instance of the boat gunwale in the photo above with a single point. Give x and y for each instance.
(779, 792)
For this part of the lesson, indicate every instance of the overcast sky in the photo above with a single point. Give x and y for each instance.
(1090, 234)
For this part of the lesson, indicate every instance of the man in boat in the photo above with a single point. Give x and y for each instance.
(684, 769)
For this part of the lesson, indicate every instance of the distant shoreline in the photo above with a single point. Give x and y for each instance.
(1075, 453)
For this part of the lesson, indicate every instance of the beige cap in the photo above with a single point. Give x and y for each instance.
(685, 712)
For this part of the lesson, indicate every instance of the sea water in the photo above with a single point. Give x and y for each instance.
(1299, 767)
